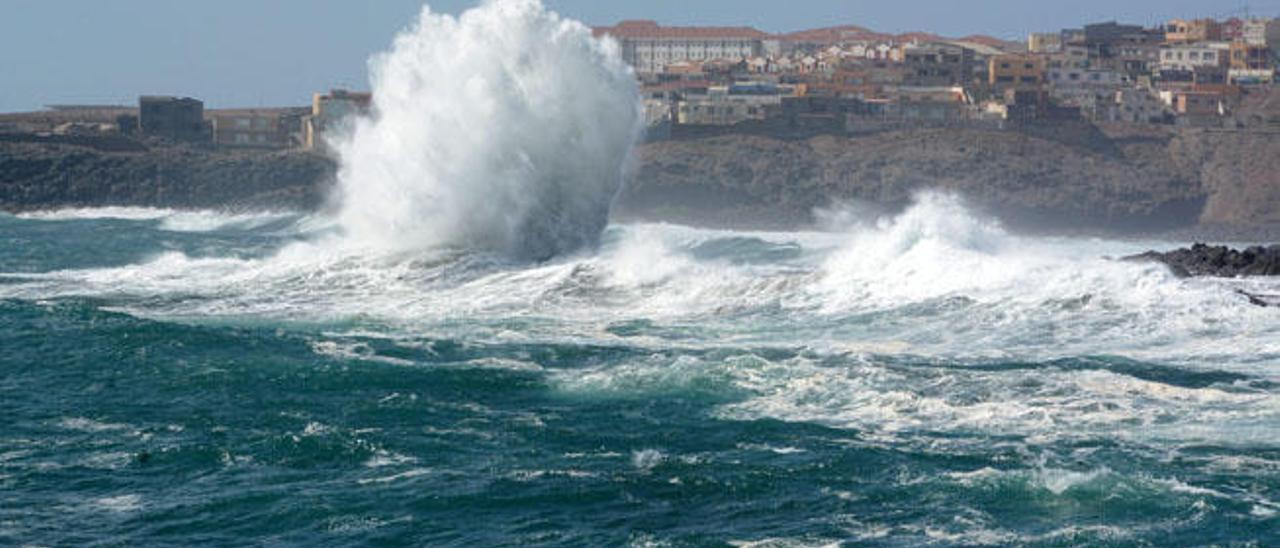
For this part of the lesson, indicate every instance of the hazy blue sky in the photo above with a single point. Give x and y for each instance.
(276, 52)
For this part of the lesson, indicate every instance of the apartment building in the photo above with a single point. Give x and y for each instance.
(650, 47)
(1190, 56)
(257, 128)
(1182, 31)
(1016, 71)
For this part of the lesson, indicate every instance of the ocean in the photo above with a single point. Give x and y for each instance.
(198, 378)
(460, 349)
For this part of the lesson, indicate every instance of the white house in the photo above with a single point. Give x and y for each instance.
(1186, 57)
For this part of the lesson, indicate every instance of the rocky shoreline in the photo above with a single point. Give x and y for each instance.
(1123, 179)
(1201, 260)
(51, 176)
(1217, 261)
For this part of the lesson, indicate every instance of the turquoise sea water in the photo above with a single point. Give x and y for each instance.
(202, 379)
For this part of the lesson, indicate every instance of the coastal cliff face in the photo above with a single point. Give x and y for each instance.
(1116, 178)
(44, 176)
(1241, 176)
(1066, 177)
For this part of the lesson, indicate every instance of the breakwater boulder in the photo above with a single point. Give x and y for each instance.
(1219, 261)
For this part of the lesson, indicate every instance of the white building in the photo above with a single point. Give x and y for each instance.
(1186, 57)
(729, 105)
(1136, 106)
(649, 47)
(1084, 88)
(1255, 31)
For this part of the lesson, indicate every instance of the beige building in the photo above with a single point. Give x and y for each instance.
(1182, 31)
(257, 128)
(650, 47)
(329, 112)
(1044, 42)
(1016, 71)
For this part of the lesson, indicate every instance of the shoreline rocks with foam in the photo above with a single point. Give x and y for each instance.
(1217, 261)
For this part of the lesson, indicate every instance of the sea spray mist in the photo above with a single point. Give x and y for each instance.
(504, 129)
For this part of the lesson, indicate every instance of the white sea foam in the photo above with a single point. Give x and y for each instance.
(208, 221)
(173, 220)
(118, 504)
(127, 213)
(647, 459)
(504, 129)
(933, 284)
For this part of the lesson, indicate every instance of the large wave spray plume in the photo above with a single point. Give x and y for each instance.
(505, 129)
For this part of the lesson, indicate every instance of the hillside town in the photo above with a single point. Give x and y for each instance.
(1201, 73)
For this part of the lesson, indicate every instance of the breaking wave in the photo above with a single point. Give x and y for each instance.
(505, 129)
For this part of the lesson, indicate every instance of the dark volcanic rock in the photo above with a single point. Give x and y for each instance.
(1220, 261)
(49, 176)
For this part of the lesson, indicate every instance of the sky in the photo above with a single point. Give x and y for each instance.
(255, 53)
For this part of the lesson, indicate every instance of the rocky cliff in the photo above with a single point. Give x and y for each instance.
(45, 176)
(1122, 177)
(1072, 177)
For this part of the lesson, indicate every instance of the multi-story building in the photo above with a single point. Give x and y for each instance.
(180, 118)
(937, 64)
(1084, 88)
(1072, 56)
(1246, 56)
(932, 104)
(1044, 42)
(1135, 105)
(1016, 71)
(1232, 29)
(1199, 108)
(1181, 31)
(1101, 34)
(1273, 38)
(1189, 56)
(1072, 36)
(863, 80)
(733, 104)
(331, 112)
(257, 128)
(1084, 77)
(1254, 31)
(649, 47)
(1251, 77)
(1129, 49)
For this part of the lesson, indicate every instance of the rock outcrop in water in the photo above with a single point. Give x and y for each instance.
(1218, 261)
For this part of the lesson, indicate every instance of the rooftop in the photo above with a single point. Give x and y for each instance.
(651, 29)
